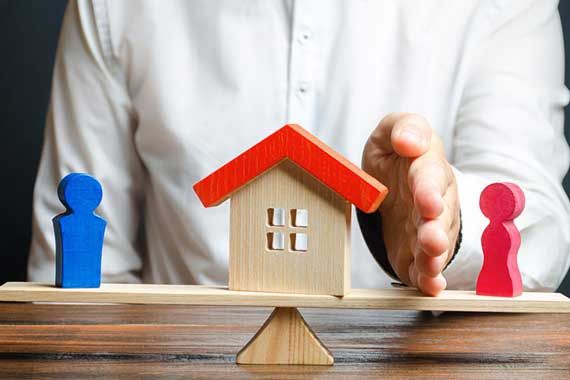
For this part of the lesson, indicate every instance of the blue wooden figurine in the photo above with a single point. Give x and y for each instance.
(79, 233)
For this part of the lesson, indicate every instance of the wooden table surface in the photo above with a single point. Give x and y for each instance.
(193, 342)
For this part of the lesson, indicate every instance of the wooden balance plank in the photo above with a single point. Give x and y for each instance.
(389, 299)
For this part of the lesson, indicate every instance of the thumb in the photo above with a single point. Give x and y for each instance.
(407, 135)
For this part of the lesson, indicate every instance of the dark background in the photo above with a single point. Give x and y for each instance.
(28, 39)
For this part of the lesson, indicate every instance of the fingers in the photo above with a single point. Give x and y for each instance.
(430, 266)
(408, 135)
(423, 264)
(429, 178)
(431, 253)
(431, 286)
(433, 238)
(421, 252)
(411, 136)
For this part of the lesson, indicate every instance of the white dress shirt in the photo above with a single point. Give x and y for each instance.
(151, 96)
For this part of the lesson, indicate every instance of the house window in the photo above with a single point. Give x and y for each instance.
(276, 217)
(299, 217)
(275, 241)
(298, 242)
(295, 228)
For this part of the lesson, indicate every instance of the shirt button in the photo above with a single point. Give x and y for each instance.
(305, 36)
(303, 88)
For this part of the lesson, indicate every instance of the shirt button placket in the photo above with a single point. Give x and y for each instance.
(302, 67)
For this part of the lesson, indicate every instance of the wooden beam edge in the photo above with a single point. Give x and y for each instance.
(386, 299)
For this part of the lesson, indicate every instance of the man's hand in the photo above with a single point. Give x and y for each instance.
(420, 216)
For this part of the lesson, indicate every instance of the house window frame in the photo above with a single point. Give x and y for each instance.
(286, 224)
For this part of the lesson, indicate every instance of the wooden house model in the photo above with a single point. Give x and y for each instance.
(290, 213)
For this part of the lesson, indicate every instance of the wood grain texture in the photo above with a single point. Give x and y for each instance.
(200, 342)
(387, 299)
(324, 268)
(79, 233)
(307, 151)
(285, 338)
(501, 240)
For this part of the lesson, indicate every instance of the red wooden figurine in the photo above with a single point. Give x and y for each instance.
(500, 275)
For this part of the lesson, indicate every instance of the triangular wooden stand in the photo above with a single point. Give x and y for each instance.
(285, 338)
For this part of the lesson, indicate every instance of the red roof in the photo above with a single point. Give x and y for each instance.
(298, 145)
